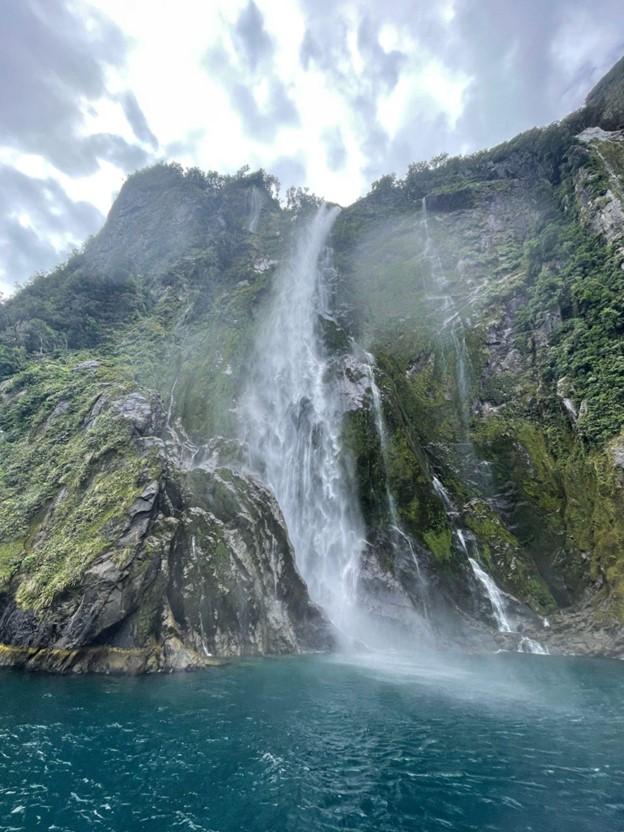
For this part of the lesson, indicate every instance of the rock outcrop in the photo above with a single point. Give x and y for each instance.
(193, 564)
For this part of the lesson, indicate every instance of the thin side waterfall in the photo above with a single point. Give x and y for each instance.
(529, 645)
(453, 323)
(292, 413)
(488, 584)
(255, 208)
(494, 594)
(399, 537)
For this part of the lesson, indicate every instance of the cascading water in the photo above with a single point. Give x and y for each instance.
(452, 322)
(256, 201)
(398, 536)
(494, 594)
(292, 412)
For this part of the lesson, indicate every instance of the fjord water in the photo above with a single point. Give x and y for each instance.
(505, 743)
(374, 741)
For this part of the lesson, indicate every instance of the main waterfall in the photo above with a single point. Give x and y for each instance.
(292, 413)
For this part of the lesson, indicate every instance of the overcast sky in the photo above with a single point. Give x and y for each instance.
(324, 93)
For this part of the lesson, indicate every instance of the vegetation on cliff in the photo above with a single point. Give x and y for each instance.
(488, 288)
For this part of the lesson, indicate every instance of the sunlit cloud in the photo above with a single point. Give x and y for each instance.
(327, 94)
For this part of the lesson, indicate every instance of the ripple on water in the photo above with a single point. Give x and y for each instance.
(366, 743)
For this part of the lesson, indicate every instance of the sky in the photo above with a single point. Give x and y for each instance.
(329, 94)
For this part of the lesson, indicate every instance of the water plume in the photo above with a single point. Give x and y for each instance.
(292, 413)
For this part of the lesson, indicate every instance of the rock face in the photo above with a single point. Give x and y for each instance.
(196, 565)
(483, 294)
(234, 586)
(487, 317)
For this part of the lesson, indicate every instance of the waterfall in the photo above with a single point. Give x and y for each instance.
(494, 594)
(292, 412)
(529, 645)
(255, 207)
(488, 584)
(399, 537)
(453, 323)
(291, 416)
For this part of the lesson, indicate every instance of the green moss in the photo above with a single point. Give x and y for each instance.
(496, 543)
(82, 527)
(361, 442)
(568, 510)
(439, 543)
(512, 566)
(11, 554)
(67, 479)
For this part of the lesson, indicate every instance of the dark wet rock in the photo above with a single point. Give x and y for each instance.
(581, 631)
(234, 586)
(145, 414)
(200, 568)
(451, 200)
(61, 408)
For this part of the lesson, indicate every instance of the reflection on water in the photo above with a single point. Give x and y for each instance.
(366, 742)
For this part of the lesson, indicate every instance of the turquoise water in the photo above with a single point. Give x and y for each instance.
(507, 742)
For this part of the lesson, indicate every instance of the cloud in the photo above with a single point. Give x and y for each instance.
(55, 62)
(514, 52)
(251, 36)
(382, 67)
(51, 66)
(38, 224)
(455, 76)
(263, 121)
(376, 60)
(261, 116)
(327, 93)
(137, 120)
(335, 148)
(289, 170)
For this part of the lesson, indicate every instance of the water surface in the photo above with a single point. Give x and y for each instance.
(507, 742)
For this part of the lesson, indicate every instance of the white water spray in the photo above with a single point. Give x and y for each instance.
(489, 585)
(292, 414)
(529, 645)
(494, 594)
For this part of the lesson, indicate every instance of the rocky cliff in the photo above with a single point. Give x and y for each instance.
(130, 548)
(487, 293)
(489, 290)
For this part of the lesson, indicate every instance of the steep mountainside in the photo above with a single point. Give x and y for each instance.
(477, 326)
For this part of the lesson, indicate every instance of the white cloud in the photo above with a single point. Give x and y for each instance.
(335, 91)
(166, 72)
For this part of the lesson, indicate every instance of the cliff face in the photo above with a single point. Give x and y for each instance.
(489, 291)
(121, 554)
(490, 294)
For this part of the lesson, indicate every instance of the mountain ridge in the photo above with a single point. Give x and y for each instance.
(488, 290)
